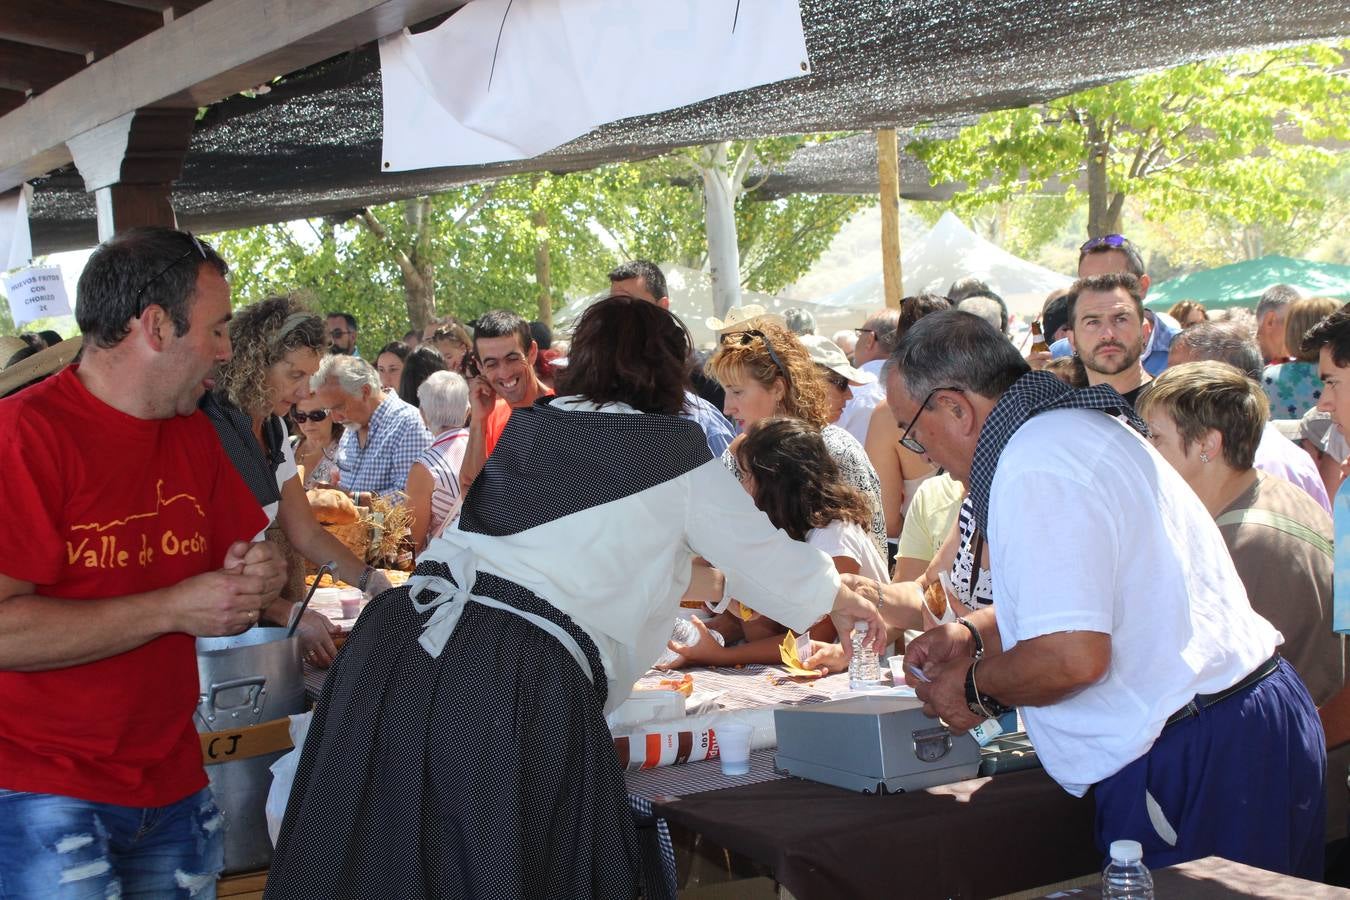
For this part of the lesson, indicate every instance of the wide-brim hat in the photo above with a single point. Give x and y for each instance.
(742, 318)
(825, 352)
(40, 364)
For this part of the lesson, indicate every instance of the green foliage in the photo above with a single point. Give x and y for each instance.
(477, 243)
(1243, 139)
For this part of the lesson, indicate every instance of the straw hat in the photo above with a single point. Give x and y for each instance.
(825, 352)
(742, 318)
(40, 364)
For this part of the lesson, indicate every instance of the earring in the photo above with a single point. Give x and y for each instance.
(1204, 457)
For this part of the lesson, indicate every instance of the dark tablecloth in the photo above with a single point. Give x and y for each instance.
(978, 838)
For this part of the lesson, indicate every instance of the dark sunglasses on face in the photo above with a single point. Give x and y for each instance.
(196, 248)
(839, 382)
(317, 415)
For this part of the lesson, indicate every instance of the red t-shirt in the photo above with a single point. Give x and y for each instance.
(100, 504)
(495, 423)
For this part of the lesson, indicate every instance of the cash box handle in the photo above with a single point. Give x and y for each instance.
(931, 744)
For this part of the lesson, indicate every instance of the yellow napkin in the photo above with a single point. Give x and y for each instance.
(788, 651)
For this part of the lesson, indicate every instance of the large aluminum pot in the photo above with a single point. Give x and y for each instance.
(247, 679)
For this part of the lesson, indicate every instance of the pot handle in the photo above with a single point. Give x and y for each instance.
(208, 709)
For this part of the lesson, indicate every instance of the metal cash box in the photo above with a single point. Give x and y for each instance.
(872, 743)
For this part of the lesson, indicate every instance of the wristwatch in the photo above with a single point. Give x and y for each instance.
(982, 705)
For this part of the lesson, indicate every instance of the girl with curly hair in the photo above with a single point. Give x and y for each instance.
(277, 344)
(786, 468)
(767, 372)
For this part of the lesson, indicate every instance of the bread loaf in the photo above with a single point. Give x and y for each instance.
(332, 507)
(935, 595)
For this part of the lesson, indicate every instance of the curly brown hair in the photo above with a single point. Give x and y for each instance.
(796, 481)
(261, 335)
(766, 353)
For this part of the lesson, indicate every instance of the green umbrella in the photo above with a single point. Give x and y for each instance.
(1242, 284)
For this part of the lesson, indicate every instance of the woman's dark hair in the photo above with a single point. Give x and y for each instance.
(134, 269)
(628, 351)
(398, 348)
(418, 365)
(796, 481)
(915, 307)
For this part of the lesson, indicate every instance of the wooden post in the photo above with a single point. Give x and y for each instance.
(888, 166)
(130, 165)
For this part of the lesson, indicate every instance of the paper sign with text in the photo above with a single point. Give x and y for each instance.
(36, 293)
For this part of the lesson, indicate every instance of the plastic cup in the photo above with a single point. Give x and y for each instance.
(351, 607)
(897, 669)
(733, 747)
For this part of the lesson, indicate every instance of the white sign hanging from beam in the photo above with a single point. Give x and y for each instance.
(36, 293)
(511, 79)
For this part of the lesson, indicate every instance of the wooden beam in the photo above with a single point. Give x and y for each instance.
(24, 67)
(75, 26)
(224, 47)
(888, 170)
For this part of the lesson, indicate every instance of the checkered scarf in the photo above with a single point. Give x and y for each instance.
(1030, 395)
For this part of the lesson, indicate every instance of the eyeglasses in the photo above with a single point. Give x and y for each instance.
(1106, 242)
(864, 331)
(839, 382)
(317, 415)
(196, 248)
(338, 333)
(744, 338)
(910, 443)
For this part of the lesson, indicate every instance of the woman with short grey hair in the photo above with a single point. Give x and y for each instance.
(433, 481)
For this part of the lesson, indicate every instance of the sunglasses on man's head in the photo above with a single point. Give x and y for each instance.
(317, 415)
(1106, 242)
(196, 248)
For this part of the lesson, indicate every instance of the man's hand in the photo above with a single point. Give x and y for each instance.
(265, 560)
(1039, 360)
(482, 398)
(937, 646)
(945, 695)
(217, 603)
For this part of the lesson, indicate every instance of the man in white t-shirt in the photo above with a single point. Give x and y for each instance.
(875, 340)
(1140, 668)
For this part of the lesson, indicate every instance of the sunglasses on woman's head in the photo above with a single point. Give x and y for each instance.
(317, 415)
(744, 338)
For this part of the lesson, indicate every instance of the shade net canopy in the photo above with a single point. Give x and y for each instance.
(311, 146)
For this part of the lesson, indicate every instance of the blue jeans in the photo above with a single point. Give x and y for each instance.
(61, 848)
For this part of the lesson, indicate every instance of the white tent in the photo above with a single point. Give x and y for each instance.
(951, 251)
(691, 300)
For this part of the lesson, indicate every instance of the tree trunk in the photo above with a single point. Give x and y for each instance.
(719, 205)
(543, 269)
(1103, 209)
(421, 301)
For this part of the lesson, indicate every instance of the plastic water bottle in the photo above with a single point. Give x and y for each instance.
(863, 670)
(1126, 878)
(684, 633)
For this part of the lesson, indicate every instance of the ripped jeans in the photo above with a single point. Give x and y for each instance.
(61, 848)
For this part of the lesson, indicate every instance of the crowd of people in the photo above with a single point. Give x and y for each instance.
(1133, 526)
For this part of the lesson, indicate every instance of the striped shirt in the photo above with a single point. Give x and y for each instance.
(443, 459)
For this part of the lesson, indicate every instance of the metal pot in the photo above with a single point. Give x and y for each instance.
(245, 680)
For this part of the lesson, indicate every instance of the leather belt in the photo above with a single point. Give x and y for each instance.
(1201, 701)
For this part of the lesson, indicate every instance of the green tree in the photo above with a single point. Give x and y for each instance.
(1240, 138)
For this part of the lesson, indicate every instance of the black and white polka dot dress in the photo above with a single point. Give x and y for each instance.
(487, 771)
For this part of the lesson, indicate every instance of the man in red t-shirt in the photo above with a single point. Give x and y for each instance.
(126, 535)
(504, 352)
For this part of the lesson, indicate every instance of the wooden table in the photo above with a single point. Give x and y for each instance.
(1211, 878)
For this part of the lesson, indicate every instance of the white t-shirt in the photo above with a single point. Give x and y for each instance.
(285, 472)
(840, 538)
(1091, 530)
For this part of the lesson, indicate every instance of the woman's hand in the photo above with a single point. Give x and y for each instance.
(316, 639)
(705, 651)
(826, 658)
(852, 606)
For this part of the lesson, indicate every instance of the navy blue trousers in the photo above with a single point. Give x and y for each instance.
(1243, 779)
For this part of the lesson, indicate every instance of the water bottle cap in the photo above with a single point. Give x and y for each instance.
(860, 627)
(1126, 851)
